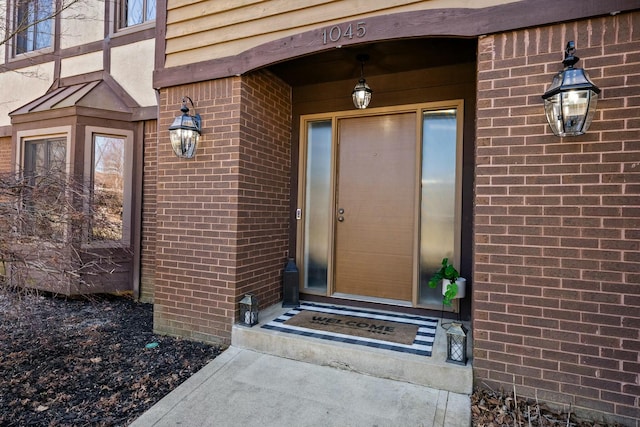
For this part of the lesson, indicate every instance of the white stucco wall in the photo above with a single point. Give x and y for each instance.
(132, 68)
(82, 22)
(81, 64)
(23, 86)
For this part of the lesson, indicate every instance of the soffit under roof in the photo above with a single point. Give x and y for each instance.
(98, 94)
(385, 57)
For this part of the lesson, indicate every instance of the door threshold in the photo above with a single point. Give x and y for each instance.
(387, 301)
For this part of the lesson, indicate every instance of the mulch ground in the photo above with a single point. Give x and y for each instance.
(86, 362)
(97, 362)
(501, 409)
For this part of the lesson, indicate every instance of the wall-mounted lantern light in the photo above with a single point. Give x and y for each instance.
(185, 131)
(362, 92)
(570, 102)
(457, 344)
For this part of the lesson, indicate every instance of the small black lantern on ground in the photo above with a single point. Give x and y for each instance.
(185, 131)
(291, 285)
(249, 310)
(457, 344)
(570, 102)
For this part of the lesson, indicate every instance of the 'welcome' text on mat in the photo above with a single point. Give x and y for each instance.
(401, 333)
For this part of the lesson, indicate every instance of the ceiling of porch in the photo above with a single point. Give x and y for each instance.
(384, 58)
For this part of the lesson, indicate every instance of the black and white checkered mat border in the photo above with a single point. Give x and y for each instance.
(422, 345)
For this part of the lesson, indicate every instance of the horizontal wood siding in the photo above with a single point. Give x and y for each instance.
(211, 29)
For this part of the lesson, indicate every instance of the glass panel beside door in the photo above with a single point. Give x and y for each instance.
(408, 162)
(438, 231)
(317, 207)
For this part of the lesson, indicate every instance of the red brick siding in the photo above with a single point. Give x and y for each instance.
(263, 198)
(149, 182)
(5, 154)
(556, 268)
(221, 217)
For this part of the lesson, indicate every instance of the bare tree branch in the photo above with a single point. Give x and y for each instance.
(44, 223)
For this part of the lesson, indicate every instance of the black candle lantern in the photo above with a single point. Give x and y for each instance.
(457, 344)
(570, 102)
(249, 310)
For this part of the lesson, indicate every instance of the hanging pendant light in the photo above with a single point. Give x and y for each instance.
(362, 92)
(570, 102)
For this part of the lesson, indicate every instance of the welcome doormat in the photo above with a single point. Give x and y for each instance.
(390, 331)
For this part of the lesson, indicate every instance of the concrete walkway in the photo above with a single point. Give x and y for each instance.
(245, 388)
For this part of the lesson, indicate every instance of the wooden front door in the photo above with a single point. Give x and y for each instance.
(375, 206)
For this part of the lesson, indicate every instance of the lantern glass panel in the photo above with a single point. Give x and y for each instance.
(184, 136)
(249, 310)
(457, 344)
(361, 95)
(456, 348)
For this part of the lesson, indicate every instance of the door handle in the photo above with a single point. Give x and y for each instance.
(340, 213)
(340, 218)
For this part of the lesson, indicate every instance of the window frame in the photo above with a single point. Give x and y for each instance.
(120, 17)
(36, 134)
(127, 135)
(24, 137)
(14, 7)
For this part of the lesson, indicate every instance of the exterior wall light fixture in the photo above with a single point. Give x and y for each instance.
(570, 102)
(185, 131)
(362, 92)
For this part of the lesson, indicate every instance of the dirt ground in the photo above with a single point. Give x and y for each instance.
(86, 362)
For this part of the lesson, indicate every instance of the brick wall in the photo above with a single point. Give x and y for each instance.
(557, 222)
(222, 216)
(264, 188)
(5, 154)
(149, 182)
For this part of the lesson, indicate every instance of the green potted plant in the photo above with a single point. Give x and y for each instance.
(453, 286)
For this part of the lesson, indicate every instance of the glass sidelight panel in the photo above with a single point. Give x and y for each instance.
(438, 198)
(107, 188)
(317, 206)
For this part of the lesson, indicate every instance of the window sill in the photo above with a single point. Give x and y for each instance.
(133, 29)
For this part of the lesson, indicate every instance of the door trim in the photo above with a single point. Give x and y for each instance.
(458, 104)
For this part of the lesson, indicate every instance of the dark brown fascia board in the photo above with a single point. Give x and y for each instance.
(81, 78)
(95, 46)
(455, 22)
(144, 113)
(6, 131)
(75, 111)
(161, 33)
(97, 113)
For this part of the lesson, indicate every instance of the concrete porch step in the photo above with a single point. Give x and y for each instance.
(432, 371)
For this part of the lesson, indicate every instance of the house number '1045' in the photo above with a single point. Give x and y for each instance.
(335, 33)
